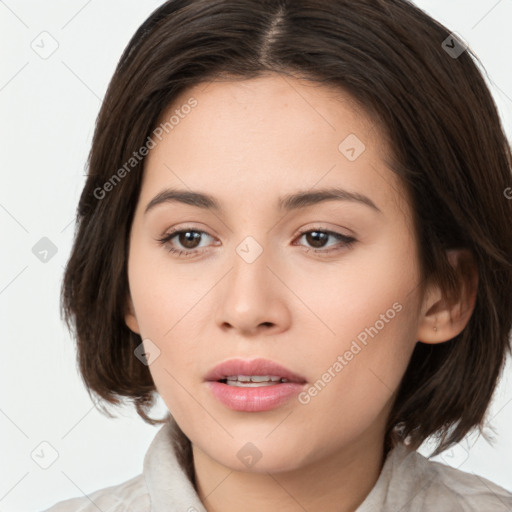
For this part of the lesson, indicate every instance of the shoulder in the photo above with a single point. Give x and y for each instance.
(471, 491)
(129, 496)
(436, 486)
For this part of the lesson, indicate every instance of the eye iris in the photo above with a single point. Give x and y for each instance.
(318, 238)
(189, 241)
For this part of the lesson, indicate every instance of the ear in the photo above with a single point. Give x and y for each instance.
(130, 318)
(441, 321)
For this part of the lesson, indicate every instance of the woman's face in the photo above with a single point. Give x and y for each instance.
(338, 306)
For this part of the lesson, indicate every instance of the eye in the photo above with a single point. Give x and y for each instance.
(188, 238)
(318, 236)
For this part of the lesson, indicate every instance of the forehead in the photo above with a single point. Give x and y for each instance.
(269, 134)
(302, 106)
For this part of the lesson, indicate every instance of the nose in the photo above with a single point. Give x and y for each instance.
(252, 298)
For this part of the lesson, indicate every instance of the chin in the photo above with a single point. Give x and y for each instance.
(260, 455)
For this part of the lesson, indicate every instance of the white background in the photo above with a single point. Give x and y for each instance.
(48, 109)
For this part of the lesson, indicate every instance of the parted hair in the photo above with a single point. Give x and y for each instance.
(428, 95)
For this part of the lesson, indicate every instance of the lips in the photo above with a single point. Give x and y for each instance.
(253, 386)
(254, 367)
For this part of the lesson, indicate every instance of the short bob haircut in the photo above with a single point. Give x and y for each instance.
(448, 147)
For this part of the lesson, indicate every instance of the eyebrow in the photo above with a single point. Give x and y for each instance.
(297, 200)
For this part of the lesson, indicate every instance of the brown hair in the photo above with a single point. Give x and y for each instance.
(449, 149)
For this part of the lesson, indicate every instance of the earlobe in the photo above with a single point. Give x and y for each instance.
(130, 318)
(441, 320)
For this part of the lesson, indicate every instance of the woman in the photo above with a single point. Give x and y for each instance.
(295, 231)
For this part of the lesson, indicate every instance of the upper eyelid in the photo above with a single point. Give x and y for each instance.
(298, 232)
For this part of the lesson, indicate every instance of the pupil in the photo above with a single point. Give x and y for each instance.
(188, 241)
(315, 235)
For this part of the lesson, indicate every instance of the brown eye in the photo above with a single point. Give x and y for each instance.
(184, 242)
(317, 238)
(189, 239)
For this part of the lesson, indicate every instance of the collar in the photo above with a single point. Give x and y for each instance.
(167, 483)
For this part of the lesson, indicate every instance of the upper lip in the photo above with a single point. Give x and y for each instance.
(251, 367)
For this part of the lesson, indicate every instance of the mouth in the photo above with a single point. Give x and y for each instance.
(252, 381)
(252, 373)
(253, 386)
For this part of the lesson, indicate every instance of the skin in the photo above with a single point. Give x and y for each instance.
(247, 143)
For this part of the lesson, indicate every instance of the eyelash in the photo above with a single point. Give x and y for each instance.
(347, 241)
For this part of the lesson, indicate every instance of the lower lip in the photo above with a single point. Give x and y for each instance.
(262, 398)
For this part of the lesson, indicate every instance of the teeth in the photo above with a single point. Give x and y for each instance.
(261, 378)
(250, 384)
(241, 378)
(254, 380)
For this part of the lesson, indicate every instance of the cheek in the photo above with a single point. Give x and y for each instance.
(167, 304)
(354, 383)
(164, 293)
(368, 324)
(362, 295)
